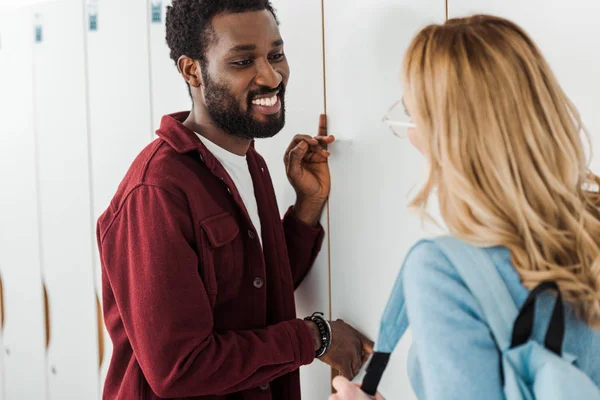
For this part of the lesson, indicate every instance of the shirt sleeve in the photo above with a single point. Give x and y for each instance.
(149, 259)
(303, 242)
(453, 348)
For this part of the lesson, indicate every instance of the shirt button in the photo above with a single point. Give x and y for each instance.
(251, 234)
(258, 283)
(264, 387)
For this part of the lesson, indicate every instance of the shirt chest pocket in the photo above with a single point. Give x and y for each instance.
(222, 248)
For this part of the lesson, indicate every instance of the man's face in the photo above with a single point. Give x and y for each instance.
(245, 75)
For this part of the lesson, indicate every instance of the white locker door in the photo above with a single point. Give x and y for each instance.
(304, 103)
(23, 330)
(568, 35)
(67, 233)
(373, 171)
(119, 105)
(169, 90)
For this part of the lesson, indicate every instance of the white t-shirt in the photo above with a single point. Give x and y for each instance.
(237, 168)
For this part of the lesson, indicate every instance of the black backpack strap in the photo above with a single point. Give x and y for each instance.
(375, 370)
(524, 324)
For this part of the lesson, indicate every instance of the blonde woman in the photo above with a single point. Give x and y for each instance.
(507, 162)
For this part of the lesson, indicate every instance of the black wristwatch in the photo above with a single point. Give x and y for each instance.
(324, 332)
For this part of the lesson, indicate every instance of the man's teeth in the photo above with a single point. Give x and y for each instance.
(265, 102)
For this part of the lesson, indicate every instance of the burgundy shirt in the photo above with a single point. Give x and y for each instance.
(195, 307)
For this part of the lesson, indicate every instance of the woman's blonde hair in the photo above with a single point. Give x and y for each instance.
(506, 153)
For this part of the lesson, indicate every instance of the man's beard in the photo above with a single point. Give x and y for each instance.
(227, 114)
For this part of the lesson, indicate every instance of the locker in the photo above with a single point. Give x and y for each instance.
(119, 108)
(169, 91)
(304, 102)
(372, 170)
(22, 351)
(565, 31)
(67, 235)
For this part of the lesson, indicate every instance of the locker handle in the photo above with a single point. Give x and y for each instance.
(46, 314)
(100, 333)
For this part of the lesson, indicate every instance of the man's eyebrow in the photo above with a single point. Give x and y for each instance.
(242, 47)
(249, 47)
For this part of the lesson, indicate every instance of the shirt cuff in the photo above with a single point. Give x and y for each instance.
(302, 339)
(298, 228)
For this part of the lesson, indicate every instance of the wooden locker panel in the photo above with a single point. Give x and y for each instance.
(568, 34)
(22, 353)
(304, 103)
(373, 171)
(169, 90)
(119, 106)
(67, 233)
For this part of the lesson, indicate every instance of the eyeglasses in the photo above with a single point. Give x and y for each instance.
(398, 120)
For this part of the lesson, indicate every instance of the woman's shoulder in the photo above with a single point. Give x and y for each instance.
(430, 276)
(426, 259)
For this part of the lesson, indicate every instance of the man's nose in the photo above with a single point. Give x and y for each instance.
(267, 76)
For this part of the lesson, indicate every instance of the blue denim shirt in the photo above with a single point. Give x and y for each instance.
(453, 355)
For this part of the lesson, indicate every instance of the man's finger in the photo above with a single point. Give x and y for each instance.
(348, 371)
(322, 125)
(294, 161)
(356, 365)
(345, 372)
(299, 138)
(325, 139)
(367, 343)
(368, 346)
(320, 151)
(317, 153)
(365, 357)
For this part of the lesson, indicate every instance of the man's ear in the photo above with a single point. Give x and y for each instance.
(190, 70)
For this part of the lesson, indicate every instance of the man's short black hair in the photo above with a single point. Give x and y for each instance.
(189, 27)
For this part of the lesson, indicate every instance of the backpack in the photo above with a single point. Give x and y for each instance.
(530, 370)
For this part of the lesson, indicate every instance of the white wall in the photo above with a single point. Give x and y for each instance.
(169, 91)
(373, 170)
(23, 331)
(77, 107)
(66, 227)
(12, 4)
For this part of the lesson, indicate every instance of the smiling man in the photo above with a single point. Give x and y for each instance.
(199, 270)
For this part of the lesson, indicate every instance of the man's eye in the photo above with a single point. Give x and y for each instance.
(277, 57)
(243, 63)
